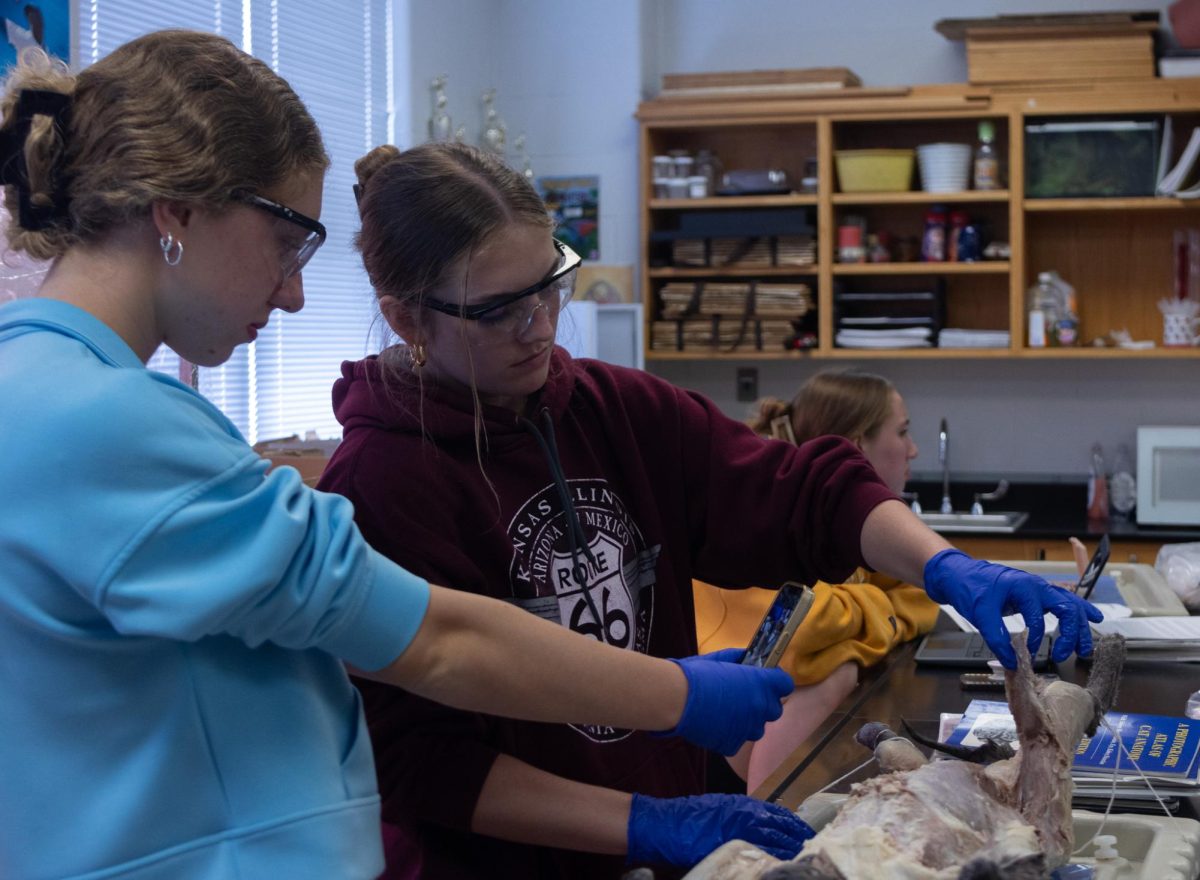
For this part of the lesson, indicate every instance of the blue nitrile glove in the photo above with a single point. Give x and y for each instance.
(682, 831)
(728, 703)
(984, 592)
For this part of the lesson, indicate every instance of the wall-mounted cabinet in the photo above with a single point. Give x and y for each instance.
(1115, 251)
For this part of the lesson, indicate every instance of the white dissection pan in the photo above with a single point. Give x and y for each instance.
(1149, 847)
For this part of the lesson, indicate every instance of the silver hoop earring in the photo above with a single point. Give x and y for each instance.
(172, 250)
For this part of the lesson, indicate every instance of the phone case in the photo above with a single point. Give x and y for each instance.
(776, 631)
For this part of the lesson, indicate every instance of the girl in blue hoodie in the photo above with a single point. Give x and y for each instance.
(174, 619)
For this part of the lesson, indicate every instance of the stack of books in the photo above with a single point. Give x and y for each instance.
(724, 315)
(763, 250)
(1165, 748)
(730, 299)
(782, 299)
(717, 334)
(741, 251)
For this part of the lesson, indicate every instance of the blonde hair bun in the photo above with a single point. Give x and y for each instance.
(369, 165)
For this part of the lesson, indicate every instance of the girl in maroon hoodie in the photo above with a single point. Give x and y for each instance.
(481, 455)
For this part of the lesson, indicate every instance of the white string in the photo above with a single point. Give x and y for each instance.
(1113, 794)
(865, 763)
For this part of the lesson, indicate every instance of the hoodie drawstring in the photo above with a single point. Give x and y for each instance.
(575, 537)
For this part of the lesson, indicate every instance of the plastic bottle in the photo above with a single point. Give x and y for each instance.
(1097, 506)
(1044, 310)
(970, 248)
(958, 220)
(877, 249)
(1122, 487)
(986, 168)
(1065, 330)
(933, 244)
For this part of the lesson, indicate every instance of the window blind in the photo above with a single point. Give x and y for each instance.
(338, 59)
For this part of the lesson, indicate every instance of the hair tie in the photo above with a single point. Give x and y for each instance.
(13, 169)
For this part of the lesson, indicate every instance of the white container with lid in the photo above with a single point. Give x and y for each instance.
(677, 187)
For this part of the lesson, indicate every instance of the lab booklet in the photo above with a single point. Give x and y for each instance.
(1164, 747)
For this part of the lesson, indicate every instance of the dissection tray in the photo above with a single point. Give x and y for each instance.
(1150, 847)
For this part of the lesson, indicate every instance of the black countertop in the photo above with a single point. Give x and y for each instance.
(1057, 509)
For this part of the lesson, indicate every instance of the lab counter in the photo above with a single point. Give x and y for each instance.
(898, 688)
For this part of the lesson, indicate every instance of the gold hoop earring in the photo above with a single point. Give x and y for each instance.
(172, 249)
(417, 355)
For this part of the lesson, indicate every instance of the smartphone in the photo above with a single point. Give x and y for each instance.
(778, 625)
(1091, 574)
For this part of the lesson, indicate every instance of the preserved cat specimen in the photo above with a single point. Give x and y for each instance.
(956, 819)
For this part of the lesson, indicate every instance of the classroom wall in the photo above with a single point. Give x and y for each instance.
(571, 75)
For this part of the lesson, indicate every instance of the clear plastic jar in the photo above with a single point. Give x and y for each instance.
(709, 167)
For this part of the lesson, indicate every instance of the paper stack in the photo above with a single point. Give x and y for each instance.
(954, 337)
(904, 337)
(1156, 639)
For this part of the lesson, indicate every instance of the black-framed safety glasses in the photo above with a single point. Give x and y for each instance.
(507, 310)
(293, 261)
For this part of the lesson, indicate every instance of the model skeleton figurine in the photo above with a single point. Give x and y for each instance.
(440, 126)
(495, 133)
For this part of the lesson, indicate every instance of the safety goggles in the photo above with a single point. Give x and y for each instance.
(294, 257)
(511, 314)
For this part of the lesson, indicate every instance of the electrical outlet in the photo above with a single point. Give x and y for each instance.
(747, 384)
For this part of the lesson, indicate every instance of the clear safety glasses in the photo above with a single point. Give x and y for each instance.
(296, 252)
(510, 315)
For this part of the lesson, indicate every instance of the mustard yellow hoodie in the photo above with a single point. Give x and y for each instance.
(860, 621)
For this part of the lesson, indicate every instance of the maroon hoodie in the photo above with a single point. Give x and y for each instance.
(665, 489)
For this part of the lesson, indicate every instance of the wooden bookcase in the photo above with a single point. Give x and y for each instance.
(1115, 251)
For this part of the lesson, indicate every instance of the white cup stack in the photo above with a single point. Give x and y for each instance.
(944, 167)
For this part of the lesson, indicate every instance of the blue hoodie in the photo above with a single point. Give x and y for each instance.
(172, 702)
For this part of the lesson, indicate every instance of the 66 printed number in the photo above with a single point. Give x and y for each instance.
(613, 628)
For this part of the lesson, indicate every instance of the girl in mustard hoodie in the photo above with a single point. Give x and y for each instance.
(850, 624)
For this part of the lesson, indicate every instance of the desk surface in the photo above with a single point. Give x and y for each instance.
(898, 688)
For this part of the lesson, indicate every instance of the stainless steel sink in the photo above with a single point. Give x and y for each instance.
(1000, 522)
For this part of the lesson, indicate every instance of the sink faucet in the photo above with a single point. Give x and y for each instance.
(944, 461)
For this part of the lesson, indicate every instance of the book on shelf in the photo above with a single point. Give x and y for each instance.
(1165, 748)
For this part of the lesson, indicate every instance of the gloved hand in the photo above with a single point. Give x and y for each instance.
(682, 831)
(727, 703)
(984, 592)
